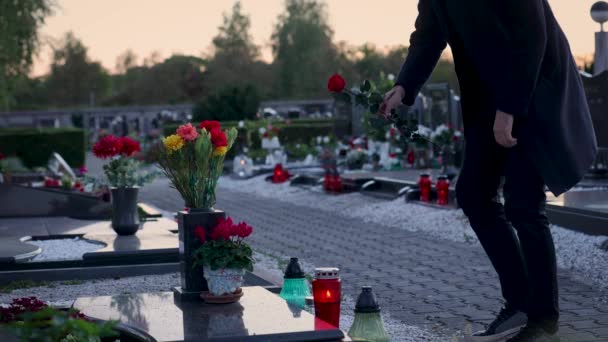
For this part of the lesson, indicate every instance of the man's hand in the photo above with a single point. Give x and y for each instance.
(503, 127)
(392, 100)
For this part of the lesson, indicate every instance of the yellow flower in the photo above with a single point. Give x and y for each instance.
(173, 142)
(220, 151)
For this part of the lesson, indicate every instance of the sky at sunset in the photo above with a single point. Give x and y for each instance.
(109, 27)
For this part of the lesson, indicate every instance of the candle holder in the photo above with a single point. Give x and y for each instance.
(368, 325)
(443, 190)
(295, 285)
(424, 184)
(280, 174)
(327, 292)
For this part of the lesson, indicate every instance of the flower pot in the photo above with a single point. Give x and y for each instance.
(125, 216)
(224, 281)
(192, 278)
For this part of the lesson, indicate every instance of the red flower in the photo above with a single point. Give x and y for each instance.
(129, 146)
(392, 155)
(336, 84)
(77, 185)
(83, 169)
(265, 135)
(107, 147)
(218, 138)
(222, 230)
(455, 138)
(275, 130)
(393, 131)
(209, 125)
(2, 156)
(201, 234)
(243, 230)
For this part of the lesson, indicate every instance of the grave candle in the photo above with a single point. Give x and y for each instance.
(424, 184)
(326, 288)
(443, 188)
(295, 285)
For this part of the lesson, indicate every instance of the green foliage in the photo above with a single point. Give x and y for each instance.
(231, 103)
(20, 284)
(19, 24)
(51, 325)
(74, 78)
(35, 146)
(219, 254)
(300, 151)
(123, 172)
(194, 169)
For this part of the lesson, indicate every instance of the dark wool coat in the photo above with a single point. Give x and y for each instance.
(510, 55)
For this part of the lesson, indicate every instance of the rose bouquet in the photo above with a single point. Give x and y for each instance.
(371, 99)
(193, 160)
(122, 170)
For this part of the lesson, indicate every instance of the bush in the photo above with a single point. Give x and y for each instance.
(35, 146)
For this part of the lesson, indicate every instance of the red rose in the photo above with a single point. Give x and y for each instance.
(336, 84)
(200, 234)
(129, 146)
(107, 147)
(218, 138)
(209, 125)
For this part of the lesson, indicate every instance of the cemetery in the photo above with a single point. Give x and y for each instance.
(323, 218)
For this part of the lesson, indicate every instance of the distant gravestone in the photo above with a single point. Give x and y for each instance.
(596, 89)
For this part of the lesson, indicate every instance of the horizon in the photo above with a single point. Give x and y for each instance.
(189, 28)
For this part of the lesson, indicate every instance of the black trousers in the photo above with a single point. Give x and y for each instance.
(516, 235)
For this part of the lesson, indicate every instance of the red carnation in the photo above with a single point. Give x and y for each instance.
(129, 146)
(200, 234)
(107, 147)
(218, 138)
(336, 84)
(209, 125)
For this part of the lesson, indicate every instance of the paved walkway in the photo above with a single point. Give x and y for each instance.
(421, 280)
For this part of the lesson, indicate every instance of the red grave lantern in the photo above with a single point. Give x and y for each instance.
(332, 181)
(327, 293)
(280, 175)
(443, 189)
(424, 184)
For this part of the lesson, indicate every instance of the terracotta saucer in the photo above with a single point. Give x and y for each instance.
(223, 299)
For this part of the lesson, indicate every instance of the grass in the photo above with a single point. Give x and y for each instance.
(27, 284)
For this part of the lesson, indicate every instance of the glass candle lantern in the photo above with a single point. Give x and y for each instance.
(295, 285)
(424, 184)
(443, 189)
(336, 182)
(326, 288)
(279, 174)
(368, 325)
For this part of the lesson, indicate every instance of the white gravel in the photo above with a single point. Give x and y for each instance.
(577, 252)
(63, 249)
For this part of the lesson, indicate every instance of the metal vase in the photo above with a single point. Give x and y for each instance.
(192, 278)
(125, 216)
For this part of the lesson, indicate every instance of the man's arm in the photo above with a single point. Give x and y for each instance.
(506, 40)
(426, 45)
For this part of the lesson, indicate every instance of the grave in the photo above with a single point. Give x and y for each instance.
(585, 211)
(259, 316)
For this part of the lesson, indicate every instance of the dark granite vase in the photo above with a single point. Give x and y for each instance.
(125, 217)
(192, 278)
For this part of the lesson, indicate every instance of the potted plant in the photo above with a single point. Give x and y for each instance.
(124, 179)
(225, 257)
(193, 160)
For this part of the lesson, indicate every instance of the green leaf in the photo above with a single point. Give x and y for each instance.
(375, 98)
(361, 100)
(342, 97)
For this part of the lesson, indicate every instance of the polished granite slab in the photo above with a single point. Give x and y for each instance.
(14, 250)
(591, 200)
(259, 316)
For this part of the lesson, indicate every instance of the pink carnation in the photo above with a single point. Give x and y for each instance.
(187, 132)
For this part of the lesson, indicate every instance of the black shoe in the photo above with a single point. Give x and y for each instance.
(508, 322)
(534, 332)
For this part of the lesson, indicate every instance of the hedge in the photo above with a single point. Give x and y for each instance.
(35, 146)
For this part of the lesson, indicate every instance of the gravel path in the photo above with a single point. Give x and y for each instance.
(64, 249)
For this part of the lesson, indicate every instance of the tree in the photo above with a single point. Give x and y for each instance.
(303, 49)
(19, 41)
(234, 56)
(230, 104)
(74, 79)
(126, 61)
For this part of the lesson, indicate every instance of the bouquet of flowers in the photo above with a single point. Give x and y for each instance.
(121, 171)
(193, 160)
(225, 247)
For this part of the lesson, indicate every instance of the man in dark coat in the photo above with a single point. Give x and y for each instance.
(525, 117)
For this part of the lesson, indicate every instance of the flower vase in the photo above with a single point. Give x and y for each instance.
(192, 278)
(125, 216)
(224, 285)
